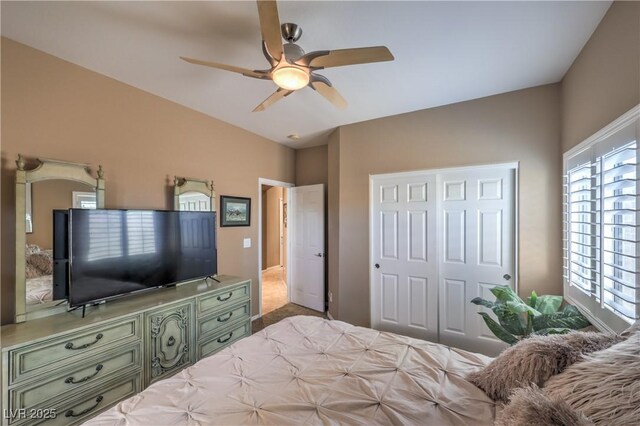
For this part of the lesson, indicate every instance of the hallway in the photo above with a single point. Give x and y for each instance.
(274, 290)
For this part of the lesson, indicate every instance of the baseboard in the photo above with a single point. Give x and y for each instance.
(255, 317)
(330, 316)
(273, 267)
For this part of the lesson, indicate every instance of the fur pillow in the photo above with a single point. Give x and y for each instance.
(43, 261)
(535, 359)
(32, 272)
(529, 406)
(605, 386)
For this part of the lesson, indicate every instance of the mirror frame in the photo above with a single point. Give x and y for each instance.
(45, 170)
(182, 185)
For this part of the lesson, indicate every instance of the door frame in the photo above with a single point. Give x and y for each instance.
(514, 165)
(271, 182)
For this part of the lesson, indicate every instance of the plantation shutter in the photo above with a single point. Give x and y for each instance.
(601, 220)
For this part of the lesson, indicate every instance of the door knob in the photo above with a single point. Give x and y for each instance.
(506, 277)
(318, 255)
(377, 265)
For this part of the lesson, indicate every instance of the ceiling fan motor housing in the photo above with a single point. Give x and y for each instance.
(292, 51)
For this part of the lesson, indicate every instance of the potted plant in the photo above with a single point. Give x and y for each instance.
(539, 315)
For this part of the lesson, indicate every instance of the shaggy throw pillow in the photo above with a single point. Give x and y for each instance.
(633, 329)
(605, 386)
(535, 359)
(42, 260)
(32, 272)
(530, 406)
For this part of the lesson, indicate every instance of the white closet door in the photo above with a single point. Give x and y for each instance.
(404, 291)
(476, 252)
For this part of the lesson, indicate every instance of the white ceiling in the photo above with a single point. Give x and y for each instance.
(445, 52)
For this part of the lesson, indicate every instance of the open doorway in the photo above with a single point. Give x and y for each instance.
(275, 292)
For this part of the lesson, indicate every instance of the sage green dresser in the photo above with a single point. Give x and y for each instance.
(64, 369)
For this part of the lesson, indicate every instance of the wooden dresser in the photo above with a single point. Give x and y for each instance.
(64, 369)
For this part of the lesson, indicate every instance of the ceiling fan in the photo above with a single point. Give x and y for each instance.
(292, 68)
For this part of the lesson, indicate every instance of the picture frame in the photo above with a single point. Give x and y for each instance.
(235, 211)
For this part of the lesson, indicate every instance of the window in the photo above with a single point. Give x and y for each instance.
(601, 220)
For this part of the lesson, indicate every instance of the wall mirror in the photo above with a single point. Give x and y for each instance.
(193, 195)
(43, 195)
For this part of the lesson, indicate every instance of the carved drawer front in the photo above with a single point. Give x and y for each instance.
(222, 320)
(82, 376)
(92, 402)
(209, 346)
(54, 354)
(210, 303)
(170, 332)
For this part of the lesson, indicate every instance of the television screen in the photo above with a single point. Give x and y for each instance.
(114, 252)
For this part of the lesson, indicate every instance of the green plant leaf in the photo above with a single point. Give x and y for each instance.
(548, 304)
(498, 330)
(531, 301)
(505, 294)
(529, 324)
(521, 308)
(482, 302)
(510, 320)
(565, 319)
(552, 330)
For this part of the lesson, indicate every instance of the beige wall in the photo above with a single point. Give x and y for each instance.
(273, 226)
(54, 109)
(46, 196)
(604, 81)
(519, 126)
(311, 165)
(333, 222)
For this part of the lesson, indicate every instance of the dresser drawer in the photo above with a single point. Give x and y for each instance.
(219, 321)
(54, 354)
(210, 303)
(209, 346)
(92, 402)
(82, 376)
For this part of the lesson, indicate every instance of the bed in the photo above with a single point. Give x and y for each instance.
(308, 370)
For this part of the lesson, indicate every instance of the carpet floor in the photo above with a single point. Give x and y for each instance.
(288, 310)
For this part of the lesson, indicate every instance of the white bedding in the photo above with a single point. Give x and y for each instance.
(307, 370)
(39, 290)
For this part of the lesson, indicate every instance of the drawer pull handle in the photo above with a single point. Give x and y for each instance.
(86, 345)
(84, 379)
(70, 413)
(227, 339)
(171, 341)
(220, 319)
(226, 298)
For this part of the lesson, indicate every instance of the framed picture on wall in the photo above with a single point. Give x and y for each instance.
(235, 211)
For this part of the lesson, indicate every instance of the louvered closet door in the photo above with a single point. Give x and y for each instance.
(476, 252)
(404, 259)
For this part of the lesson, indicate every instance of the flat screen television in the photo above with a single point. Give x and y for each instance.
(118, 252)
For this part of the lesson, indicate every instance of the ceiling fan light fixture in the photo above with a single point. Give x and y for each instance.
(290, 78)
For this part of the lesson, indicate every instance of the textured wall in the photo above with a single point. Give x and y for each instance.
(54, 109)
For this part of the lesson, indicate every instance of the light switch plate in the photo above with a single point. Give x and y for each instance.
(247, 243)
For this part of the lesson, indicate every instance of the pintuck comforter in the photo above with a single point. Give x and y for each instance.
(308, 370)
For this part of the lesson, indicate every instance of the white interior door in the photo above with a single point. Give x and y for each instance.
(476, 252)
(404, 264)
(306, 232)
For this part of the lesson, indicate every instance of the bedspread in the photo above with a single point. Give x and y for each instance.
(308, 370)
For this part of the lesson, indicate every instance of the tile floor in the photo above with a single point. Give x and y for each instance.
(274, 290)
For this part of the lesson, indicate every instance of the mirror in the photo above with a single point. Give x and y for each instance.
(43, 196)
(193, 195)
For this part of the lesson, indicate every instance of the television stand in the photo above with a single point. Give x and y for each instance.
(82, 364)
(212, 277)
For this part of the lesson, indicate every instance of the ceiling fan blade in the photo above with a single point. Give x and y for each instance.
(329, 92)
(275, 97)
(342, 57)
(232, 68)
(270, 27)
